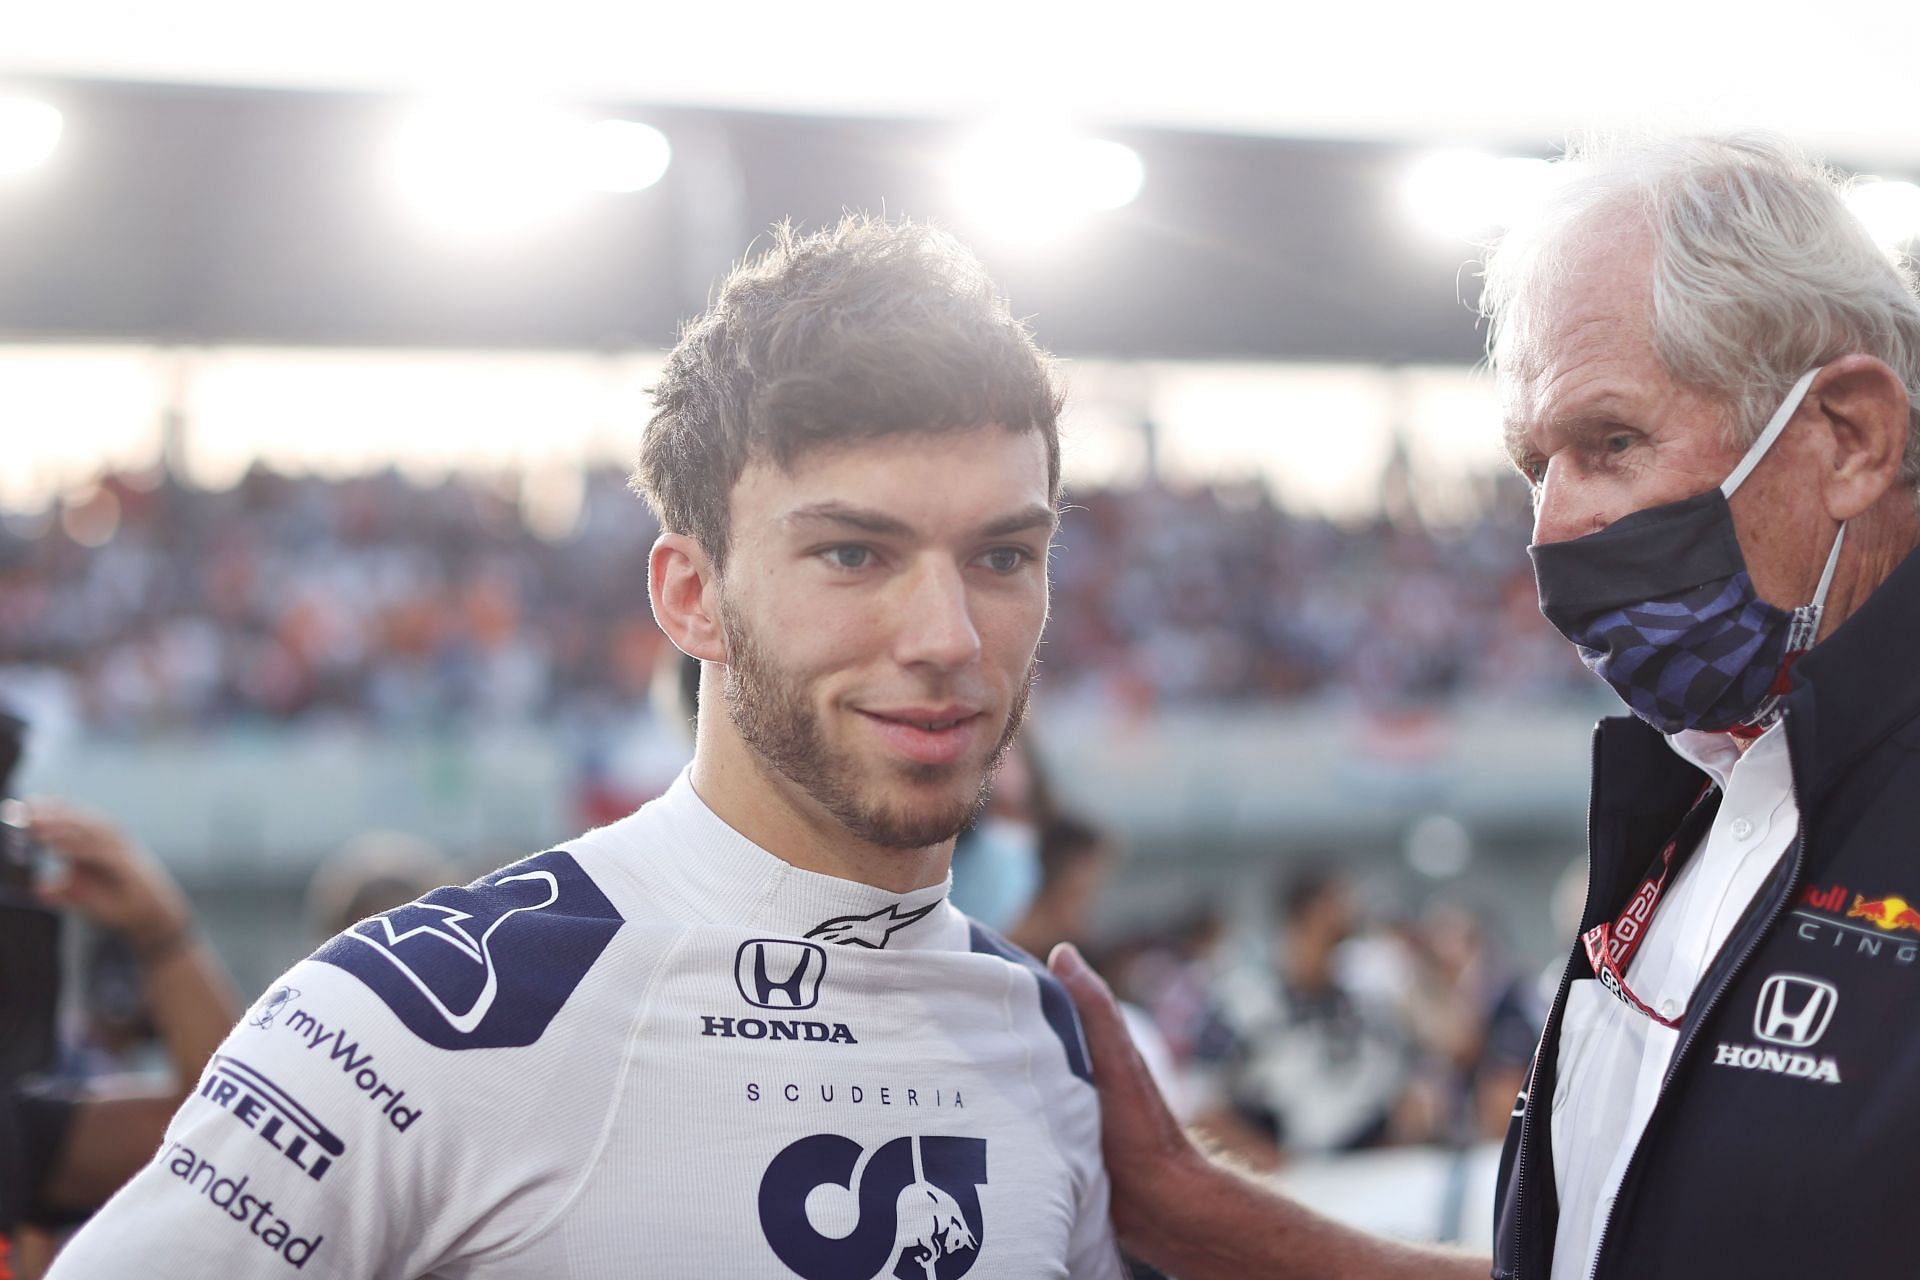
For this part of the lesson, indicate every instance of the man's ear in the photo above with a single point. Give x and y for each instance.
(685, 590)
(1867, 411)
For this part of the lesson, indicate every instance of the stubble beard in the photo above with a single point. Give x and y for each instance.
(770, 709)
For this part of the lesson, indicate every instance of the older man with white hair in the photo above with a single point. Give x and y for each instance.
(1708, 372)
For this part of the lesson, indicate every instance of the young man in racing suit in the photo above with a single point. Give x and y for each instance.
(741, 1032)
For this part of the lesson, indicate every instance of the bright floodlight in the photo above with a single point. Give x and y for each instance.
(493, 169)
(1890, 210)
(1463, 195)
(622, 155)
(1029, 184)
(29, 131)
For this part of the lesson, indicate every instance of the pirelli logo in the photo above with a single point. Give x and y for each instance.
(274, 1115)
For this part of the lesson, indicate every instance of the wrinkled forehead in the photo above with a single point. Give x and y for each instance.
(1595, 304)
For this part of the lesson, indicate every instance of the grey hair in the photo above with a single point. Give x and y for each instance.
(1760, 271)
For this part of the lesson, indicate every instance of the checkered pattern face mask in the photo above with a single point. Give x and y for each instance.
(1662, 608)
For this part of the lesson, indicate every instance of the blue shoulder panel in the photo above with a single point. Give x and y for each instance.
(485, 966)
(1055, 1003)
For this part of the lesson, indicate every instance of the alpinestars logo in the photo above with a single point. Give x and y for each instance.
(909, 1210)
(488, 965)
(870, 931)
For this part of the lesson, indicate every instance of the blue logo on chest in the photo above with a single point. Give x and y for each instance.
(489, 965)
(911, 1213)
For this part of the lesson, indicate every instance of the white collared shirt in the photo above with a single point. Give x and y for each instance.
(1612, 1058)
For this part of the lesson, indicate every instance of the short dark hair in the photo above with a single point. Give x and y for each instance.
(868, 329)
(1309, 883)
(1067, 841)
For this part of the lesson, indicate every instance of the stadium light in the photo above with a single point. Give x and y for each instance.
(1034, 185)
(29, 132)
(1438, 847)
(622, 155)
(1463, 195)
(491, 169)
(1890, 210)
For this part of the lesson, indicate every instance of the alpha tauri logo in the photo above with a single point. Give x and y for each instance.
(909, 1209)
(779, 973)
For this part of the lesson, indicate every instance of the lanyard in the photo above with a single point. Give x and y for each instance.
(1611, 946)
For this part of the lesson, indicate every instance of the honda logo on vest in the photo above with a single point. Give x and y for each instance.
(779, 973)
(1794, 1011)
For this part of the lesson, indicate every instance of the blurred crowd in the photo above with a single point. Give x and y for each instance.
(1332, 1024)
(1219, 594)
(156, 606)
(370, 599)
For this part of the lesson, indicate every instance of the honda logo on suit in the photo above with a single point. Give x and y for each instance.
(1794, 1011)
(779, 973)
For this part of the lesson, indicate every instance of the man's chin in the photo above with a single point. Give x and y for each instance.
(930, 813)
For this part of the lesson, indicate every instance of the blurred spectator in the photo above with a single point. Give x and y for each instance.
(117, 1035)
(1176, 979)
(378, 600)
(1498, 1014)
(996, 861)
(1322, 1068)
(62, 1153)
(1076, 859)
(372, 873)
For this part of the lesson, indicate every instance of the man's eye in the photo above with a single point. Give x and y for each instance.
(1007, 559)
(849, 556)
(1619, 442)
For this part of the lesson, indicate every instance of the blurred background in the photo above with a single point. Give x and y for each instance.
(324, 346)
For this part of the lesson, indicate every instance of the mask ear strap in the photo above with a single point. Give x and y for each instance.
(1833, 562)
(1775, 425)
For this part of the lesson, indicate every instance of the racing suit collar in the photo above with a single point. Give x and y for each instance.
(728, 879)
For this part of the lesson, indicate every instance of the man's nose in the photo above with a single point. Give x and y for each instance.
(1564, 508)
(936, 628)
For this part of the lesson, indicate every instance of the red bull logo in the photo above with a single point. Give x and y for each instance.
(1831, 898)
(1885, 913)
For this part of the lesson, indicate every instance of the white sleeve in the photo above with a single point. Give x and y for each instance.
(372, 1116)
(308, 1145)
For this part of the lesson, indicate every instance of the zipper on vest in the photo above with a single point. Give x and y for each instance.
(1553, 1011)
(1799, 851)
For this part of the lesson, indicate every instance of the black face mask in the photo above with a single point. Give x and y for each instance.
(1662, 608)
